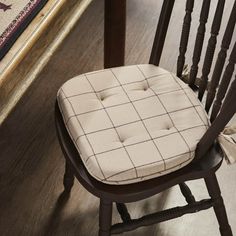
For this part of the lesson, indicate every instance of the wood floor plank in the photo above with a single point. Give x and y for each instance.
(32, 164)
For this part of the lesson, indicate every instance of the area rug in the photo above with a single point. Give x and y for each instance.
(14, 18)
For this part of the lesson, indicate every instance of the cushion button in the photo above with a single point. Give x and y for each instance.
(122, 140)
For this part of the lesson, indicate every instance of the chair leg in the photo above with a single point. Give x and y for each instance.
(68, 180)
(105, 218)
(185, 190)
(219, 207)
(123, 211)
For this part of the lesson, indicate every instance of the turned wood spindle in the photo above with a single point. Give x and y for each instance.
(184, 37)
(199, 41)
(221, 59)
(161, 32)
(224, 84)
(211, 48)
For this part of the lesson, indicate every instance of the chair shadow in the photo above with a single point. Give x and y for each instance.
(160, 200)
(71, 225)
(55, 218)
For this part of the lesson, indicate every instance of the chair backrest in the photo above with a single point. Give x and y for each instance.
(221, 92)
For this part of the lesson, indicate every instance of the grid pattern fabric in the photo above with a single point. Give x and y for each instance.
(132, 123)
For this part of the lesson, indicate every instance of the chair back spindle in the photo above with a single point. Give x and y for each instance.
(224, 84)
(199, 41)
(221, 59)
(161, 32)
(211, 48)
(184, 36)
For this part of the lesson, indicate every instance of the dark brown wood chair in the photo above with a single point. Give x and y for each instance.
(131, 132)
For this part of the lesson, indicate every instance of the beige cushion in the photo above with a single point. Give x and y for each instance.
(132, 123)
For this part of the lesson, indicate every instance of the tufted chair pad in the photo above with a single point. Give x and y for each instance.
(132, 123)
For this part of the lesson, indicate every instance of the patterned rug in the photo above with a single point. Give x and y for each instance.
(14, 18)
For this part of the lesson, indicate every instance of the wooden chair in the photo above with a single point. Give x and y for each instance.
(89, 126)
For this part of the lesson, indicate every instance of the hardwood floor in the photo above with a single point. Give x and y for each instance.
(32, 165)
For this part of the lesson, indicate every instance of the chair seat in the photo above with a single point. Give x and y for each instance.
(132, 123)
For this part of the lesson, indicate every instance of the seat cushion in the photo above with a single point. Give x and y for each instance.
(132, 123)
